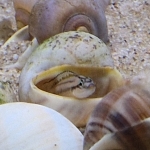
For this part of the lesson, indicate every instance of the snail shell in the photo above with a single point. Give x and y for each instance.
(23, 9)
(30, 126)
(74, 48)
(50, 17)
(119, 109)
(78, 102)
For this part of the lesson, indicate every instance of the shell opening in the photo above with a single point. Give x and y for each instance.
(104, 79)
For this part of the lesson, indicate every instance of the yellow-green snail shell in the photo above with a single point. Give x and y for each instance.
(73, 48)
(78, 49)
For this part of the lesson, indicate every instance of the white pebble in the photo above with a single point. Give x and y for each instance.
(4, 52)
(15, 57)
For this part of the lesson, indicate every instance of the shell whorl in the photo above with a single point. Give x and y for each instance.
(81, 22)
(121, 108)
(60, 16)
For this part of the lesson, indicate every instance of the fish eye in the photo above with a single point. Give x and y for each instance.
(81, 83)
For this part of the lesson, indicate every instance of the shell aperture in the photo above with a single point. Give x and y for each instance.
(43, 91)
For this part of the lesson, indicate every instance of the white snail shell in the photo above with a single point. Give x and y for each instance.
(30, 126)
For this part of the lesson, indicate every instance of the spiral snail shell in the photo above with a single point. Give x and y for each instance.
(120, 109)
(50, 17)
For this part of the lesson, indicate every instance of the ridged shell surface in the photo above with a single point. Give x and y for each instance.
(121, 108)
(133, 138)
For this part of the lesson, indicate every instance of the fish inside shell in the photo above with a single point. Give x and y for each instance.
(78, 81)
(71, 84)
(121, 108)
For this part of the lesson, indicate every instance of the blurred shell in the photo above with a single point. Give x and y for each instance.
(121, 108)
(132, 138)
(6, 93)
(30, 126)
(23, 10)
(74, 48)
(75, 109)
(50, 17)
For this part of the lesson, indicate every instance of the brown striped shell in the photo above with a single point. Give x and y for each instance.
(121, 108)
(131, 138)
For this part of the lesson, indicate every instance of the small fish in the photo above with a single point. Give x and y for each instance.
(80, 86)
